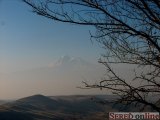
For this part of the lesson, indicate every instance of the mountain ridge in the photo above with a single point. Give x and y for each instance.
(40, 107)
(73, 107)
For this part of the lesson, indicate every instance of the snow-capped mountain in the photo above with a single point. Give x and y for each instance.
(70, 61)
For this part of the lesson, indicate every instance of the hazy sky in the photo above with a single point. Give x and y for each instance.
(30, 42)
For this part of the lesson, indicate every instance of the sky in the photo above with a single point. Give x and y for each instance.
(29, 39)
(31, 43)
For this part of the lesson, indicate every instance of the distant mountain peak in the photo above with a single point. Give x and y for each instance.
(68, 60)
(64, 59)
(37, 95)
(35, 98)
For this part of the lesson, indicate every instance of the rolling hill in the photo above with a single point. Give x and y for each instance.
(75, 107)
(39, 107)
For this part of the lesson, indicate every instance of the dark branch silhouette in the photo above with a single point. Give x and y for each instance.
(129, 30)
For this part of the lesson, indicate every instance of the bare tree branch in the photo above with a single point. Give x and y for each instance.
(129, 31)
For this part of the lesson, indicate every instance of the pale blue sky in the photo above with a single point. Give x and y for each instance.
(28, 41)
(30, 45)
